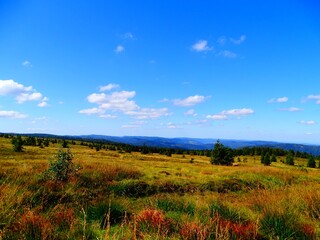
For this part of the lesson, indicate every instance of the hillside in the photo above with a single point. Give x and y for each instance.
(120, 195)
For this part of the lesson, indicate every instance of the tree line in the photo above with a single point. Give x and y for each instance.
(220, 154)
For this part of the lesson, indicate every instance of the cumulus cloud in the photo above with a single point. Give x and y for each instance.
(20, 92)
(278, 100)
(291, 109)
(201, 46)
(240, 40)
(12, 115)
(310, 122)
(119, 49)
(121, 102)
(108, 87)
(189, 101)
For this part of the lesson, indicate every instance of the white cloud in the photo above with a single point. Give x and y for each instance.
(20, 92)
(26, 63)
(278, 100)
(12, 114)
(190, 112)
(314, 97)
(201, 46)
(119, 49)
(310, 122)
(148, 113)
(233, 112)
(241, 39)
(291, 109)
(108, 116)
(91, 111)
(217, 117)
(120, 102)
(238, 112)
(43, 104)
(189, 101)
(108, 87)
(228, 54)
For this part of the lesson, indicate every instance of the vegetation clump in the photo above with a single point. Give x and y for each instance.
(61, 167)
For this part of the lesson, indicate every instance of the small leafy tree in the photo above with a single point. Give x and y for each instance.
(311, 162)
(17, 143)
(221, 155)
(61, 167)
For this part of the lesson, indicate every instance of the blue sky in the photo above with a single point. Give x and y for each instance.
(207, 69)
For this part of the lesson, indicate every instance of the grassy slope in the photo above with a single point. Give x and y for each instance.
(129, 195)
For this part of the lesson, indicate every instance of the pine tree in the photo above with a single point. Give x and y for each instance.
(221, 155)
(17, 143)
(290, 158)
(311, 162)
(267, 160)
(273, 158)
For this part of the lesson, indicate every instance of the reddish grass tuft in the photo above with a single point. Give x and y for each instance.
(34, 226)
(193, 231)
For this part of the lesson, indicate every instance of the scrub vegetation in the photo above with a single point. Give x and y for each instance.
(72, 189)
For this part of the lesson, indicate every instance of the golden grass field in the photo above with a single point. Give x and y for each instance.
(119, 195)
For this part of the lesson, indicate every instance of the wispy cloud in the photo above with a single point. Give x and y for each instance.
(310, 122)
(291, 109)
(119, 49)
(314, 97)
(191, 112)
(12, 115)
(201, 46)
(240, 40)
(217, 117)
(189, 101)
(227, 54)
(20, 92)
(128, 35)
(222, 40)
(26, 63)
(239, 112)
(148, 113)
(278, 100)
(108, 87)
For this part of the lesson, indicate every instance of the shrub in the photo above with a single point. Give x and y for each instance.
(61, 167)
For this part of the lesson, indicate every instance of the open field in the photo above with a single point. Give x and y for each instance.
(118, 195)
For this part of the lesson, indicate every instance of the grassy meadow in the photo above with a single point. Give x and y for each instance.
(118, 195)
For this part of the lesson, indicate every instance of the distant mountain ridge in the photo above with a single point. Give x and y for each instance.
(202, 143)
(186, 143)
